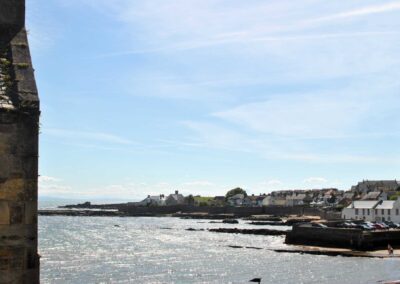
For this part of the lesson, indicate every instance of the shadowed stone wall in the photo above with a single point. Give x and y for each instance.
(19, 128)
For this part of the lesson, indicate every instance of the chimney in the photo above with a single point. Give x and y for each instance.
(176, 192)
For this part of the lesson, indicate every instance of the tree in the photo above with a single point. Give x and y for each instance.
(235, 191)
(189, 200)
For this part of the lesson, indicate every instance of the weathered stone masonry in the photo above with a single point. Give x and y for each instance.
(19, 128)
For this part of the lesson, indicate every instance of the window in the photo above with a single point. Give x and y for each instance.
(356, 211)
(388, 211)
(383, 211)
(397, 211)
(363, 212)
(376, 211)
(368, 211)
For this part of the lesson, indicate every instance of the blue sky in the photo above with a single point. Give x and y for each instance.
(145, 97)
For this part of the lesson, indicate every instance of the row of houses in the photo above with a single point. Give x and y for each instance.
(373, 210)
(179, 199)
(162, 200)
(375, 200)
(314, 197)
(366, 190)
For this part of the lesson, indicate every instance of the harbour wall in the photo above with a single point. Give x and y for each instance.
(343, 237)
(237, 211)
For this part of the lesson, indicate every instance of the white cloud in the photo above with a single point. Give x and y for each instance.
(52, 186)
(315, 180)
(45, 179)
(199, 183)
(363, 11)
(320, 115)
(127, 190)
(86, 135)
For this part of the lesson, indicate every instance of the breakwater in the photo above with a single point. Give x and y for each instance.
(264, 232)
(129, 209)
(356, 239)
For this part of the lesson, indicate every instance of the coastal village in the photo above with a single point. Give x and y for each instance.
(364, 218)
(373, 200)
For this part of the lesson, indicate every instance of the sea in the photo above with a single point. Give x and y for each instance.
(162, 250)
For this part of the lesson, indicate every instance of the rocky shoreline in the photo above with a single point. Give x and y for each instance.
(264, 232)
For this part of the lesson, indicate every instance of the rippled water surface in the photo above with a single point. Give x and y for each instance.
(160, 250)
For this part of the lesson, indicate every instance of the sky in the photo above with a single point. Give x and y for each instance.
(201, 96)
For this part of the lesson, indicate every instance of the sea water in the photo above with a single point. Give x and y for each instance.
(161, 250)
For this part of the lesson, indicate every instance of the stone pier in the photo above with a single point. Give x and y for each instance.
(19, 128)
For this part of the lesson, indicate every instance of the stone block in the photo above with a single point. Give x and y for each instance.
(4, 213)
(30, 212)
(17, 213)
(12, 189)
(12, 259)
(12, 14)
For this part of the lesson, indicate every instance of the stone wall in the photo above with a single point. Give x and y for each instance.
(19, 127)
(330, 237)
(238, 211)
(343, 237)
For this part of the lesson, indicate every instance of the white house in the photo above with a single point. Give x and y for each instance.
(271, 200)
(373, 210)
(236, 200)
(157, 200)
(295, 199)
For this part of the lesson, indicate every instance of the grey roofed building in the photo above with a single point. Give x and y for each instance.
(375, 185)
(385, 204)
(349, 195)
(375, 195)
(360, 204)
(155, 200)
(236, 200)
(295, 199)
(175, 199)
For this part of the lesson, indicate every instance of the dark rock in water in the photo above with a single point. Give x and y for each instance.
(230, 221)
(236, 247)
(270, 223)
(264, 218)
(232, 246)
(264, 232)
(193, 229)
(117, 226)
(82, 213)
(253, 248)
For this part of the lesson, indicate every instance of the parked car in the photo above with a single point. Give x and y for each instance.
(367, 226)
(390, 224)
(364, 227)
(383, 225)
(318, 225)
(379, 226)
(349, 225)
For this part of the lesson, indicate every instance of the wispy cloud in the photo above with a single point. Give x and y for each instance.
(128, 190)
(47, 179)
(53, 186)
(315, 180)
(363, 11)
(87, 135)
